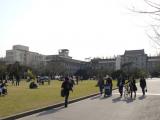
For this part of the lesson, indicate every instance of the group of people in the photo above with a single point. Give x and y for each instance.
(105, 85)
(129, 86)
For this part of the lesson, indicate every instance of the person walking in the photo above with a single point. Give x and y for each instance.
(109, 79)
(101, 84)
(120, 84)
(133, 87)
(108, 87)
(17, 80)
(143, 85)
(66, 87)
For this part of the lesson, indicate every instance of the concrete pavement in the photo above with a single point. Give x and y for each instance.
(109, 108)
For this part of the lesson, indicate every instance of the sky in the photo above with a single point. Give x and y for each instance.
(88, 28)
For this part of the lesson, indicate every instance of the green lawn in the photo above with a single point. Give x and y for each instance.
(21, 98)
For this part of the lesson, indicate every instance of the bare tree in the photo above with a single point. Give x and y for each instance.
(153, 10)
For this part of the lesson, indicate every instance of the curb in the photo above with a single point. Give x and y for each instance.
(27, 113)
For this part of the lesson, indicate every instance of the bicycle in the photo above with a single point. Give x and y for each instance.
(127, 91)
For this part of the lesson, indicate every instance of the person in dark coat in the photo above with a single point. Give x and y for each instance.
(133, 87)
(143, 85)
(120, 84)
(101, 84)
(66, 87)
(109, 79)
(108, 87)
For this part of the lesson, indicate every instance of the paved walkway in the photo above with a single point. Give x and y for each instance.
(111, 108)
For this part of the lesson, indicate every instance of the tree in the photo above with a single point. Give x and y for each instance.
(83, 73)
(127, 67)
(17, 70)
(153, 10)
(116, 74)
(55, 68)
(3, 71)
(30, 74)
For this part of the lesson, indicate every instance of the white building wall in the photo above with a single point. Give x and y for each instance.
(118, 63)
(21, 54)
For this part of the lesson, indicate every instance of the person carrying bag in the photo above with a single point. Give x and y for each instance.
(143, 85)
(66, 87)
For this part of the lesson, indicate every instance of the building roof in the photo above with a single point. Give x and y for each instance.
(134, 52)
(59, 58)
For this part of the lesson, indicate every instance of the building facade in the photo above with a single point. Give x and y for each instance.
(153, 64)
(132, 59)
(21, 54)
(64, 63)
(103, 64)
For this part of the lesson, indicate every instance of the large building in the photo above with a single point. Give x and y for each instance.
(105, 64)
(64, 63)
(132, 59)
(2, 60)
(21, 54)
(153, 64)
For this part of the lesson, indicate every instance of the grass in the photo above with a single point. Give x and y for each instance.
(21, 98)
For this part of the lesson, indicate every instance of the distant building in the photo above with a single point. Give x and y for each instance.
(153, 63)
(134, 59)
(69, 65)
(64, 53)
(21, 54)
(17, 54)
(118, 63)
(105, 64)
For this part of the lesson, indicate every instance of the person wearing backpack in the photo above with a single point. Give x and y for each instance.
(66, 87)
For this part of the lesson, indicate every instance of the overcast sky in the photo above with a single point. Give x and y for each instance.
(88, 28)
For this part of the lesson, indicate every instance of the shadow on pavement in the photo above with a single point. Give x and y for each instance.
(129, 100)
(104, 97)
(142, 97)
(101, 97)
(116, 99)
(50, 111)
